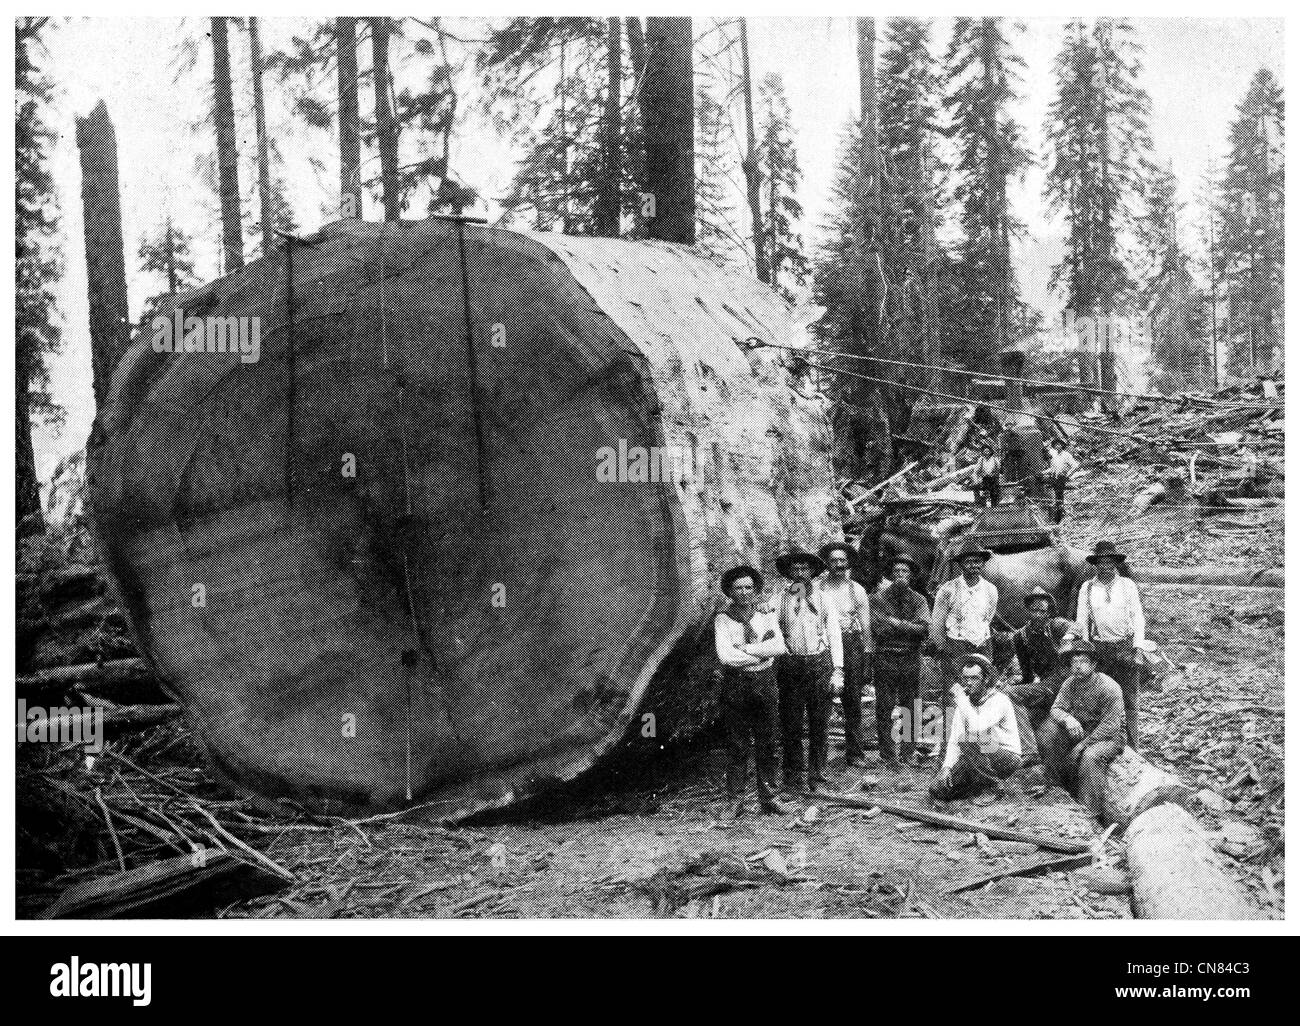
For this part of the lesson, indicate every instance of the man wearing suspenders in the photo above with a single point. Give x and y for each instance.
(852, 608)
(1110, 616)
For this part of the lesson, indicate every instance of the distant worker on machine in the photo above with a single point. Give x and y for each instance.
(1061, 466)
(988, 473)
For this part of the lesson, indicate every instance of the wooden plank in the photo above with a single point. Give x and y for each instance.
(952, 822)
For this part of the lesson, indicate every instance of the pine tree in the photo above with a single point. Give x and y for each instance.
(1099, 162)
(223, 116)
(1251, 257)
(38, 264)
(716, 169)
(778, 165)
(167, 257)
(1174, 308)
(982, 71)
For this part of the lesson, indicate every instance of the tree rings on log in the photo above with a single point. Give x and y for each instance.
(381, 564)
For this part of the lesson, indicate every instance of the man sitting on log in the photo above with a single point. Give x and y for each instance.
(809, 671)
(900, 620)
(849, 602)
(1084, 733)
(983, 742)
(747, 640)
(1038, 644)
(964, 609)
(1110, 616)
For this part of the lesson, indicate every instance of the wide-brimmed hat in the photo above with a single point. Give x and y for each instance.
(900, 557)
(982, 661)
(784, 561)
(1040, 593)
(1103, 549)
(1080, 647)
(736, 572)
(838, 546)
(969, 548)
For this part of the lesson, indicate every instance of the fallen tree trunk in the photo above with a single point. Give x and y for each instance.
(183, 886)
(1176, 874)
(1215, 576)
(1134, 785)
(446, 539)
(108, 680)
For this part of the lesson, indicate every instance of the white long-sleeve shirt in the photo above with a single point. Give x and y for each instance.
(729, 641)
(852, 605)
(991, 724)
(1062, 464)
(963, 612)
(810, 629)
(1111, 612)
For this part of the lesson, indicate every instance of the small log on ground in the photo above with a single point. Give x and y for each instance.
(1242, 576)
(184, 886)
(1176, 874)
(1134, 785)
(115, 679)
(79, 724)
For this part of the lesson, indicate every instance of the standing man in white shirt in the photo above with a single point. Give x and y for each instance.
(988, 474)
(852, 605)
(747, 640)
(964, 609)
(810, 670)
(1060, 465)
(1109, 614)
(983, 743)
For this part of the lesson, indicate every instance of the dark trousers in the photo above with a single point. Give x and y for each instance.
(857, 675)
(805, 690)
(1117, 660)
(898, 678)
(749, 717)
(1058, 489)
(975, 771)
(991, 490)
(1081, 770)
(1032, 703)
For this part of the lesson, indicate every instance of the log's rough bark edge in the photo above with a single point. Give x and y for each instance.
(1175, 872)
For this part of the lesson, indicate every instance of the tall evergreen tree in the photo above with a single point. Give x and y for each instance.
(223, 115)
(716, 168)
(778, 165)
(1251, 257)
(166, 256)
(1099, 164)
(1170, 297)
(38, 264)
(982, 72)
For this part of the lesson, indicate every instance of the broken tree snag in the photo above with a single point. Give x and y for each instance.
(101, 206)
(632, 449)
(1134, 785)
(1176, 875)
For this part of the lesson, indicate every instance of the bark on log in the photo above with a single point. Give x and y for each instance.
(512, 644)
(100, 678)
(1214, 576)
(1175, 872)
(1134, 785)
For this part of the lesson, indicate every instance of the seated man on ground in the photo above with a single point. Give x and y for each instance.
(1038, 644)
(983, 742)
(1085, 731)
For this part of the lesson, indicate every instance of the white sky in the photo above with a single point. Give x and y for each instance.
(1196, 72)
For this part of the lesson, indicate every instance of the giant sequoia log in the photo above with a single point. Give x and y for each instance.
(475, 614)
